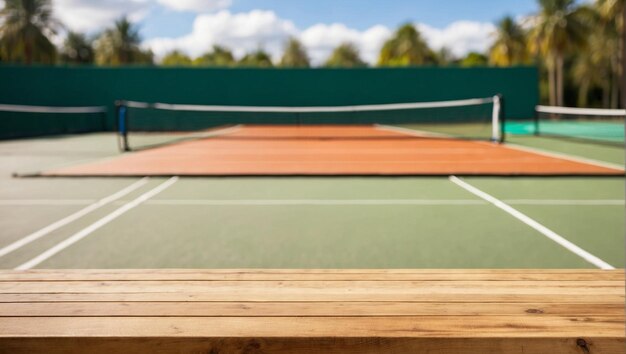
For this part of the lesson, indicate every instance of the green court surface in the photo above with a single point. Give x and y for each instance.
(375, 222)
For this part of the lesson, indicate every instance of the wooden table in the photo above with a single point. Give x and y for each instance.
(312, 311)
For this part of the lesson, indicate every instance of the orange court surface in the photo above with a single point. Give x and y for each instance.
(353, 150)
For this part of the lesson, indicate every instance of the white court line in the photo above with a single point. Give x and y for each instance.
(216, 132)
(279, 202)
(412, 132)
(45, 202)
(218, 202)
(534, 224)
(359, 202)
(566, 202)
(565, 156)
(68, 219)
(537, 151)
(96, 225)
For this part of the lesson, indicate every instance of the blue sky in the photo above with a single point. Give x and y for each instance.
(354, 13)
(365, 13)
(194, 26)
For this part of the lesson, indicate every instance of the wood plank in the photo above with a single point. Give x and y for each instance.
(314, 274)
(329, 345)
(247, 327)
(319, 287)
(330, 297)
(302, 309)
(312, 311)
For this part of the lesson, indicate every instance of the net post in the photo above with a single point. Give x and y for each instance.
(498, 119)
(121, 114)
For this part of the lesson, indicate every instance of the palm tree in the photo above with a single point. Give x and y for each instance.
(509, 47)
(176, 58)
(218, 56)
(345, 55)
(406, 48)
(613, 16)
(77, 49)
(593, 69)
(295, 55)
(559, 29)
(258, 59)
(26, 26)
(613, 9)
(119, 45)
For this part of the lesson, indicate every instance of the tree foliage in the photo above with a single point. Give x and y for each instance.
(26, 28)
(257, 59)
(218, 56)
(444, 57)
(77, 49)
(474, 59)
(176, 58)
(611, 23)
(406, 48)
(295, 55)
(509, 47)
(346, 55)
(120, 45)
(559, 29)
(577, 45)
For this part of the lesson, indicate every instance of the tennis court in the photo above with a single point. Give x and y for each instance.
(444, 138)
(305, 222)
(343, 237)
(382, 171)
(333, 150)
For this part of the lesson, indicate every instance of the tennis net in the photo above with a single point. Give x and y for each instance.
(143, 125)
(590, 124)
(17, 121)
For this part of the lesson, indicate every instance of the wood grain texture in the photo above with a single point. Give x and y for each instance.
(312, 311)
(310, 274)
(333, 345)
(301, 309)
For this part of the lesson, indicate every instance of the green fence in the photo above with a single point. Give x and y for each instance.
(95, 86)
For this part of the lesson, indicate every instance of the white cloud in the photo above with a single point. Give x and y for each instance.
(196, 5)
(247, 31)
(321, 39)
(92, 15)
(460, 37)
(242, 32)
